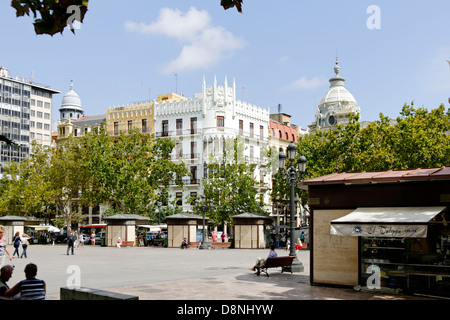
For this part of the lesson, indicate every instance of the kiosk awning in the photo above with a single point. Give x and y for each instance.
(401, 222)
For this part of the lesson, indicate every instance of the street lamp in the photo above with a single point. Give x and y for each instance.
(203, 208)
(292, 174)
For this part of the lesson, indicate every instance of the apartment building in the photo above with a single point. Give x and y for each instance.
(26, 115)
(201, 127)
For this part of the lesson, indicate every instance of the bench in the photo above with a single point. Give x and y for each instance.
(220, 245)
(283, 262)
(127, 243)
(193, 244)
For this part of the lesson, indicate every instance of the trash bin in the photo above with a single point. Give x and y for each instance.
(103, 242)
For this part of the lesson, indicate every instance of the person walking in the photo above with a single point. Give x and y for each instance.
(223, 237)
(70, 242)
(31, 288)
(3, 248)
(93, 239)
(24, 240)
(16, 243)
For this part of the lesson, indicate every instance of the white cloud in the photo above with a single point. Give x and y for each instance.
(304, 83)
(203, 43)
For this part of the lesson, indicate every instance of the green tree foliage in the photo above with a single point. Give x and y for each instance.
(127, 172)
(53, 16)
(418, 138)
(230, 185)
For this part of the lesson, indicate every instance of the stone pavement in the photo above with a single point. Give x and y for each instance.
(154, 273)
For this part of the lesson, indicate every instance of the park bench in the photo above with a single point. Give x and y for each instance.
(127, 243)
(283, 262)
(220, 245)
(193, 244)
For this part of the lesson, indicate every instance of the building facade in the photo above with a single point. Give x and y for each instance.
(201, 127)
(138, 116)
(26, 115)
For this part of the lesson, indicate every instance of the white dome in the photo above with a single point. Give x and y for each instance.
(71, 100)
(337, 103)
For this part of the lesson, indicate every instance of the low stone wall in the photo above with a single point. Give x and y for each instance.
(82, 293)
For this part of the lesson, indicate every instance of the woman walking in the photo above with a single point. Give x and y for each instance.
(3, 247)
(25, 243)
(16, 243)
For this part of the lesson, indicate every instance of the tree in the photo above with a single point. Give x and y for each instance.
(26, 189)
(127, 171)
(53, 16)
(418, 138)
(230, 185)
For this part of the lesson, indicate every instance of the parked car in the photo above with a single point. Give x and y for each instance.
(61, 238)
(99, 236)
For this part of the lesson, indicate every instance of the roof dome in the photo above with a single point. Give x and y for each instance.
(71, 100)
(336, 105)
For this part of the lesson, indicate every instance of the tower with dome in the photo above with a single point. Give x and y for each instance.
(336, 105)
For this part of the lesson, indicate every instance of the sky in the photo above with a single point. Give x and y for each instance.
(278, 52)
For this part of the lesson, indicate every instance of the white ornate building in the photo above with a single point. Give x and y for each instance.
(200, 126)
(336, 105)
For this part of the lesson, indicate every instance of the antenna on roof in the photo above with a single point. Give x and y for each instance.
(176, 83)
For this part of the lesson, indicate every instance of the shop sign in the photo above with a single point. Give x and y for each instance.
(379, 230)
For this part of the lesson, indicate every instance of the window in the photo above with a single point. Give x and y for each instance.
(241, 127)
(194, 175)
(194, 125)
(39, 114)
(130, 125)
(179, 126)
(252, 127)
(193, 150)
(179, 196)
(287, 136)
(47, 116)
(220, 121)
(144, 125)
(116, 128)
(165, 128)
(261, 132)
(47, 105)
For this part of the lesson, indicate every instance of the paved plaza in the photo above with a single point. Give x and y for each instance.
(154, 273)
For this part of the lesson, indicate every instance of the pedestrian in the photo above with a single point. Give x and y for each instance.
(70, 242)
(16, 243)
(5, 274)
(93, 239)
(299, 244)
(25, 243)
(81, 240)
(3, 247)
(260, 262)
(223, 237)
(119, 242)
(302, 237)
(288, 244)
(214, 236)
(31, 288)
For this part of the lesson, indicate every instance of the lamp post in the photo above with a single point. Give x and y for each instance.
(203, 208)
(292, 174)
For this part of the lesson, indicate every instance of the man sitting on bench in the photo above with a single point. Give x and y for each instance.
(260, 262)
(184, 244)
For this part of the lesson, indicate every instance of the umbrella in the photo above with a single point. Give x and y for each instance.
(53, 229)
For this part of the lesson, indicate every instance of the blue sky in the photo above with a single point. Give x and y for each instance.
(278, 52)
